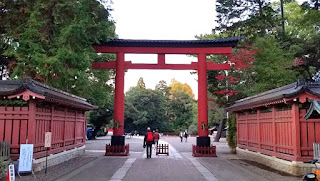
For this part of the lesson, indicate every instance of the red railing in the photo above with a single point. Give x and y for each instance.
(117, 150)
(20, 125)
(200, 151)
(162, 149)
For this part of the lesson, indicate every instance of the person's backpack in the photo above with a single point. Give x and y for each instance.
(149, 136)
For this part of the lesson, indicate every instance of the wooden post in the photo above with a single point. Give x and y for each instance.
(296, 130)
(237, 122)
(65, 127)
(119, 96)
(75, 128)
(31, 122)
(51, 125)
(274, 139)
(202, 96)
(247, 130)
(259, 128)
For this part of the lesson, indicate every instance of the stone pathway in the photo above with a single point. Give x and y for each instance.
(179, 165)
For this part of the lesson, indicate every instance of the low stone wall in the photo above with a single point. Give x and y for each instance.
(39, 164)
(291, 167)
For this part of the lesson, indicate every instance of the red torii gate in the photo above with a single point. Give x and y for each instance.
(162, 47)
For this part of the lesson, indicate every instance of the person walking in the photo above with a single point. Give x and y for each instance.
(156, 137)
(181, 135)
(148, 141)
(186, 134)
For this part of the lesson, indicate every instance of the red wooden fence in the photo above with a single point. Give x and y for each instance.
(162, 149)
(117, 150)
(20, 125)
(278, 132)
(199, 151)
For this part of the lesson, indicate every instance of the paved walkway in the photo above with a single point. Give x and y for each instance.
(179, 165)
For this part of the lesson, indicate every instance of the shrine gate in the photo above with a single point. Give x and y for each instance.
(201, 48)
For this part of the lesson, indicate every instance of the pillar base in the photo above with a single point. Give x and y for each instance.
(203, 141)
(117, 140)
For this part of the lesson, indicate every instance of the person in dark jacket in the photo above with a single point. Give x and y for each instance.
(147, 142)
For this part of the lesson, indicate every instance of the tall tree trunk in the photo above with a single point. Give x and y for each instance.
(282, 17)
(221, 126)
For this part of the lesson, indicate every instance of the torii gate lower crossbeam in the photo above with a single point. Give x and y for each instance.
(161, 47)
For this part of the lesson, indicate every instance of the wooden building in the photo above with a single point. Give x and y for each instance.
(276, 122)
(29, 108)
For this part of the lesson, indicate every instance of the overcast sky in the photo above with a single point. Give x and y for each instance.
(162, 20)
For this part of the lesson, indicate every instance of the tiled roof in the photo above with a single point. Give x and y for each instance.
(287, 91)
(12, 87)
(221, 42)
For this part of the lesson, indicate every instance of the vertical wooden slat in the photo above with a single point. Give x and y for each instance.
(2, 130)
(15, 132)
(75, 128)
(310, 136)
(295, 133)
(238, 129)
(31, 122)
(8, 130)
(259, 129)
(23, 131)
(64, 127)
(274, 136)
(247, 131)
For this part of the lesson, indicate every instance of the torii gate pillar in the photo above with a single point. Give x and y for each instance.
(118, 117)
(202, 139)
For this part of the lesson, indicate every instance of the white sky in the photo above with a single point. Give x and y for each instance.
(162, 20)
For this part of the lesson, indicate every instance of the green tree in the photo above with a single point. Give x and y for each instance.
(163, 87)
(245, 17)
(180, 110)
(145, 108)
(53, 42)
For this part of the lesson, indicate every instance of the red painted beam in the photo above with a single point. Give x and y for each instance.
(163, 50)
(104, 65)
(160, 65)
(192, 66)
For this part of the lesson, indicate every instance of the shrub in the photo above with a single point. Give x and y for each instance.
(193, 130)
(232, 133)
(2, 168)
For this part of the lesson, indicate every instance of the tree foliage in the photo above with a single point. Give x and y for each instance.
(178, 86)
(180, 109)
(281, 58)
(51, 41)
(145, 108)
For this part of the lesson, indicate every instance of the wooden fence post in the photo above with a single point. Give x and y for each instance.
(259, 128)
(274, 139)
(31, 122)
(296, 130)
